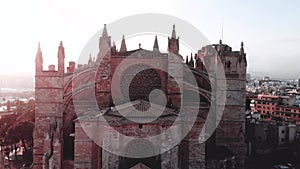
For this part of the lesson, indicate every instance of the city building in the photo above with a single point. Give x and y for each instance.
(272, 106)
(267, 136)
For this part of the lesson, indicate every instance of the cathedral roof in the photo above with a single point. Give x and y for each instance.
(139, 110)
(139, 53)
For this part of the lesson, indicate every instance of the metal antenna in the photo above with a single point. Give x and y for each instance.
(222, 28)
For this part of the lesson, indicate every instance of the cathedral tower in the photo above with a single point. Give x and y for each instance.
(230, 132)
(47, 150)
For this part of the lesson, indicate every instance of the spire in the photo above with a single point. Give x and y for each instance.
(39, 46)
(90, 60)
(123, 45)
(61, 58)
(191, 62)
(39, 59)
(104, 32)
(187, 59)
(155, 46)
(61, 50)
(242, 48)
(173, 32)
(173, 43)
(39, 56)
(104, 45)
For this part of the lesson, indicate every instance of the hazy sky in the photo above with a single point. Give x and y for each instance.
(270, 29)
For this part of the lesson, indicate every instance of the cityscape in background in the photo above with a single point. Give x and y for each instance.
(69, 100)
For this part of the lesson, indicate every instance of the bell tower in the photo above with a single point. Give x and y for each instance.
(230, 132)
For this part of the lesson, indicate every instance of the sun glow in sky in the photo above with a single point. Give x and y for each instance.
(270, 29)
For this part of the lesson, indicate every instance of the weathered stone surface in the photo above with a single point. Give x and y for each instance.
(232, 98)
(231, 84)
(67, 103)
(231, 112)
(170, 159)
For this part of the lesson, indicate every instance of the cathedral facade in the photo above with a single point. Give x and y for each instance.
(65, 112)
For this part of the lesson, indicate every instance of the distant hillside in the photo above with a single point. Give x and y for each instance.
(17, 82)
(272, 75)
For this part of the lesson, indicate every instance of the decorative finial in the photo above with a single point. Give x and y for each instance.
(39, 48)
(155, 46)
(39, 57)
(187, 59)
(242, 47)
(90, 59)
(173, 32)
(140, 45)
(123, 47)
(104, 33)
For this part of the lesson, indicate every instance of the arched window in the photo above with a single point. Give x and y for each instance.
(228, 64)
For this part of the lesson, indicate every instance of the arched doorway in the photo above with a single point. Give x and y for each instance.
(153, 162)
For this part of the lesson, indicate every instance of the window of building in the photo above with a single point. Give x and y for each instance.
(228, 64)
